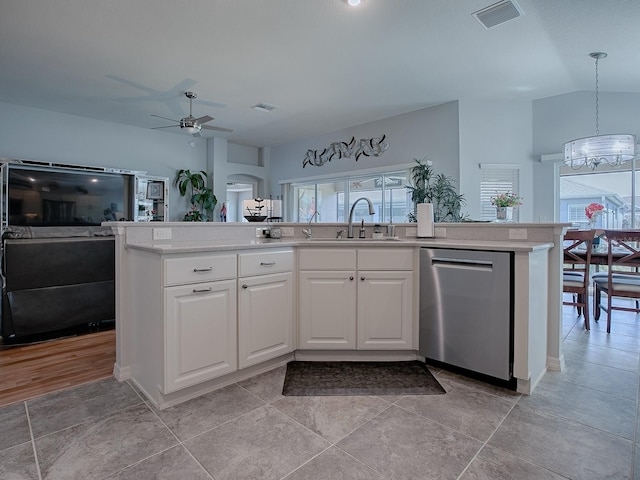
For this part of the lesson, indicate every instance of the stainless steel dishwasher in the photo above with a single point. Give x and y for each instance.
(466, 310)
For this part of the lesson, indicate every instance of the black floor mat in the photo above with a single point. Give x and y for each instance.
(359, 378)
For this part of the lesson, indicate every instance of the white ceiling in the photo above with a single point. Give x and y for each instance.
(326, 65)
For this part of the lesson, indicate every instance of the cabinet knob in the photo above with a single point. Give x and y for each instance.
(361, 278)
(245, 286)
(351, 277)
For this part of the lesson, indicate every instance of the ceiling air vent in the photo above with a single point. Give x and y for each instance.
(498, 13)
(264, 107)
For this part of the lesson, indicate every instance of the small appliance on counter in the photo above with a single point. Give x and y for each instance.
(425, 220)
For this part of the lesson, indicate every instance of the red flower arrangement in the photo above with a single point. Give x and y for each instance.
(593, 210)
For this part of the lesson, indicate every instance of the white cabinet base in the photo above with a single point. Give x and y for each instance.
(265, 317)
(162, 401)
(357, 355)
(327, 309)
(200, 333)
(385, 310)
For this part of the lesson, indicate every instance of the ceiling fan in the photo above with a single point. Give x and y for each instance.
(191, 124)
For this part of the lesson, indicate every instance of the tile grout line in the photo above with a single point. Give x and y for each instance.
(392, 404)
(577, 422)
(575, 384)
(179, 442)
(485, 443)
(304, 463)
(33, 442)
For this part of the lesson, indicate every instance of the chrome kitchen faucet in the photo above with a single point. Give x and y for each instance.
(350, 226)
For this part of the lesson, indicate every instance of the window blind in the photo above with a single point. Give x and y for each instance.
(494, 180)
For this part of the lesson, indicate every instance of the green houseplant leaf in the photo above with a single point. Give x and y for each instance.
(436, 188)
(201, 197)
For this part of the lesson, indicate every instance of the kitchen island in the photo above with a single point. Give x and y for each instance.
(269, 304)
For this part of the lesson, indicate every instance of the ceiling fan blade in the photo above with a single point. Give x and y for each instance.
(212, 104)
(205, 119)
(166, 118)
(219, 129)
(166, 126)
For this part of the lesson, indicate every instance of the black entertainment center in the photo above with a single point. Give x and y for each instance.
(58, 263)
(54, 286)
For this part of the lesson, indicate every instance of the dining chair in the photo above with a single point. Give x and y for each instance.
(622, 278)
(577, 247)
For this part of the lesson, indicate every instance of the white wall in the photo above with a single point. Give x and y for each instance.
(35, 134)
(495, 132)
(430, 132)
(242, 154)
(456, 136)
(226, 159)
(559, 119)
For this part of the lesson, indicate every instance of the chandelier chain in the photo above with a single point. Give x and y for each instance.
(597, 104)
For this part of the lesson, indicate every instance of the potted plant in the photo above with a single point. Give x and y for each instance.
(505, 203)
(201, 197)
(435, 188)
(593, 212)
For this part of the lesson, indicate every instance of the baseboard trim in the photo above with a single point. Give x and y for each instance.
(555, 364)
(121, 373)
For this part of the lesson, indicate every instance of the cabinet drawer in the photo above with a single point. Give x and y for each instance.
(385, 259)
(203, 268)
(264, 262)
(327, 259)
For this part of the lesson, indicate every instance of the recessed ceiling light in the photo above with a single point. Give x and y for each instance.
(353, 3)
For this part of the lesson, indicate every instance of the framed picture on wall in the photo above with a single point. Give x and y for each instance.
(155, 190)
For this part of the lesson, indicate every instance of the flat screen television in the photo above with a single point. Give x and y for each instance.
(60, 197)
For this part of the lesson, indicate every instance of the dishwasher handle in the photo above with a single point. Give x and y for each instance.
(462, 263)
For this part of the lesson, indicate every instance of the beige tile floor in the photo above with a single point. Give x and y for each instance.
(579, 424)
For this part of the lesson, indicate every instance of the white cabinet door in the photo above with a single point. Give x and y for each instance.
(200, 333)
(265, 317)
(385, 310)
(327, 310)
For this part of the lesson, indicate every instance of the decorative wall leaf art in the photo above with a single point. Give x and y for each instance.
(371, 147)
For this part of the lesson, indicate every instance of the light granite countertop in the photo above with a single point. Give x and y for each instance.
(244, 244)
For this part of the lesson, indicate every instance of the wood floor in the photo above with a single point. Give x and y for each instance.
(33, 370)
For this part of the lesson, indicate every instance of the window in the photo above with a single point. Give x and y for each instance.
(496, 179)
(333, 198)
(612, 188)
(576, 213)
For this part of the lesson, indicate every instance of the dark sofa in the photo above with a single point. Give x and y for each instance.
(58, 282)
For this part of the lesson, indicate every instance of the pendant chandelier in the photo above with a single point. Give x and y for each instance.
(614, 150)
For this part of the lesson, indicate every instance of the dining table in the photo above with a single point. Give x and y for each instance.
(600, 254)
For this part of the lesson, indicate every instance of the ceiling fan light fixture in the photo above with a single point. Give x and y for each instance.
(614, 150)
(190, 125)
(191, 130)
(353, 3)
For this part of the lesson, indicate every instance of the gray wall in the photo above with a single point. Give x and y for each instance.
(35, 134)
(430, 132)
(497, 132)
(559, 119)
(456, 136)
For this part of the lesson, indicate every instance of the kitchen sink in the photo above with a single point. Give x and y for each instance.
(369, 239)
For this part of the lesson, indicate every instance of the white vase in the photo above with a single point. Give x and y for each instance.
(504, 214)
